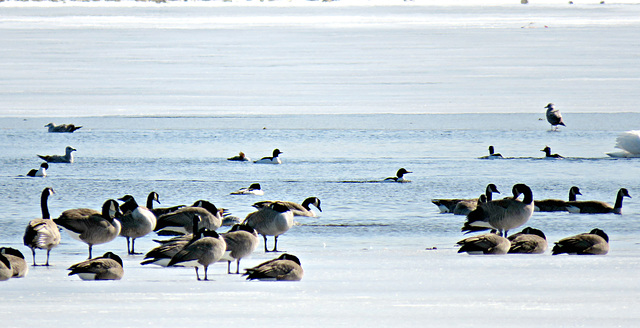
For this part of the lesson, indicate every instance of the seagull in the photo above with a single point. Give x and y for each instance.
(62, 127)
(66, 158)
(554, 117)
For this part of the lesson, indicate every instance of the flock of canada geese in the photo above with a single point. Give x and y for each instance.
(198, 244)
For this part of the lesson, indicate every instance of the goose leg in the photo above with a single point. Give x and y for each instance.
(275, 244)
(90, 247)
(33, 251)
(265, 243)
(228, 267)
(128, 246)
(205, 272)
(238, 266)
(197, 275)
(46, 264)
(133, 246)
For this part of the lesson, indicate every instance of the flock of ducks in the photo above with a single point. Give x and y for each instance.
(197, 243)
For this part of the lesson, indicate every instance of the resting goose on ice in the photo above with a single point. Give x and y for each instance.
(66, 158)
(502, 215)
(399, 176)
(18, 263)
(41, 172)
(90, 226)
(528, 241)
(137, 221)
(253, 189)
(489, 243)
(42, 233)
(272, 220)
(106, 267)
(162, 254)
(629, 142)
(286, 267)
(596, 242)
(598, 207)
(271, 160)
(556, 205)
(449, 205)
(554, 117)
(6, 272)
(62, 127)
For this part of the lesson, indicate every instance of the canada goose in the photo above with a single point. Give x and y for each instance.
(106, 267)
(137, 222)
(240, 158)
(41, 172)
(286, 267)
(66, 158)
(596, 242)
(548, 154)
(42, 233)
(489, 243)
(241, 241)
(504, 214)
(272, 220)
(62, 127)
(554, 117)
(449, 205)
(629, 142)
(162, 254)
(90, 226)
(303, 209)
(556, 205)
(153, 196)
(6, 272)
(492, 154)
(204, 251)
(466, 206)
(528, 241)
(254, 189)
(399, 176)
(271, 160)
(18, 264)
(598, 207)
(179, 222)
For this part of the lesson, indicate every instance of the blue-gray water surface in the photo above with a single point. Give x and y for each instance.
(339, 158)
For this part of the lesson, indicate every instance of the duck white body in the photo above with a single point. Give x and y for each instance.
(492, 154)
(40, 172)
(253, 189)
(399, 176)
(271, 160)
(629, 142)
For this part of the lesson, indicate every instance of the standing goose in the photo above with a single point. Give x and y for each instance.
(596, 242)
(153, 196)
(66, 158)
(203, 251)
(42, 233)
(18, 264)
(254, 189)
(549, 155)
(399, 176)
(271, 160)
(41, 172)
(489, 243)
(554, 117)
(504, 214)
(162, 254)
(556, 205)
(303, 209)
(449, 205)
(62, 127)
(106, 267)
(272, 220)
(241, 241)
(137, 222)
(179, 222)
(598, 207)
(286, 267)
(492, 154)
(528, 241)
(90, 226)
(6, 272)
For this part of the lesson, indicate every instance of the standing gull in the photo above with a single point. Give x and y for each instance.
(554, 117)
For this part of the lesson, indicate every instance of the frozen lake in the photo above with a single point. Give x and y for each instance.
(166, 92)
